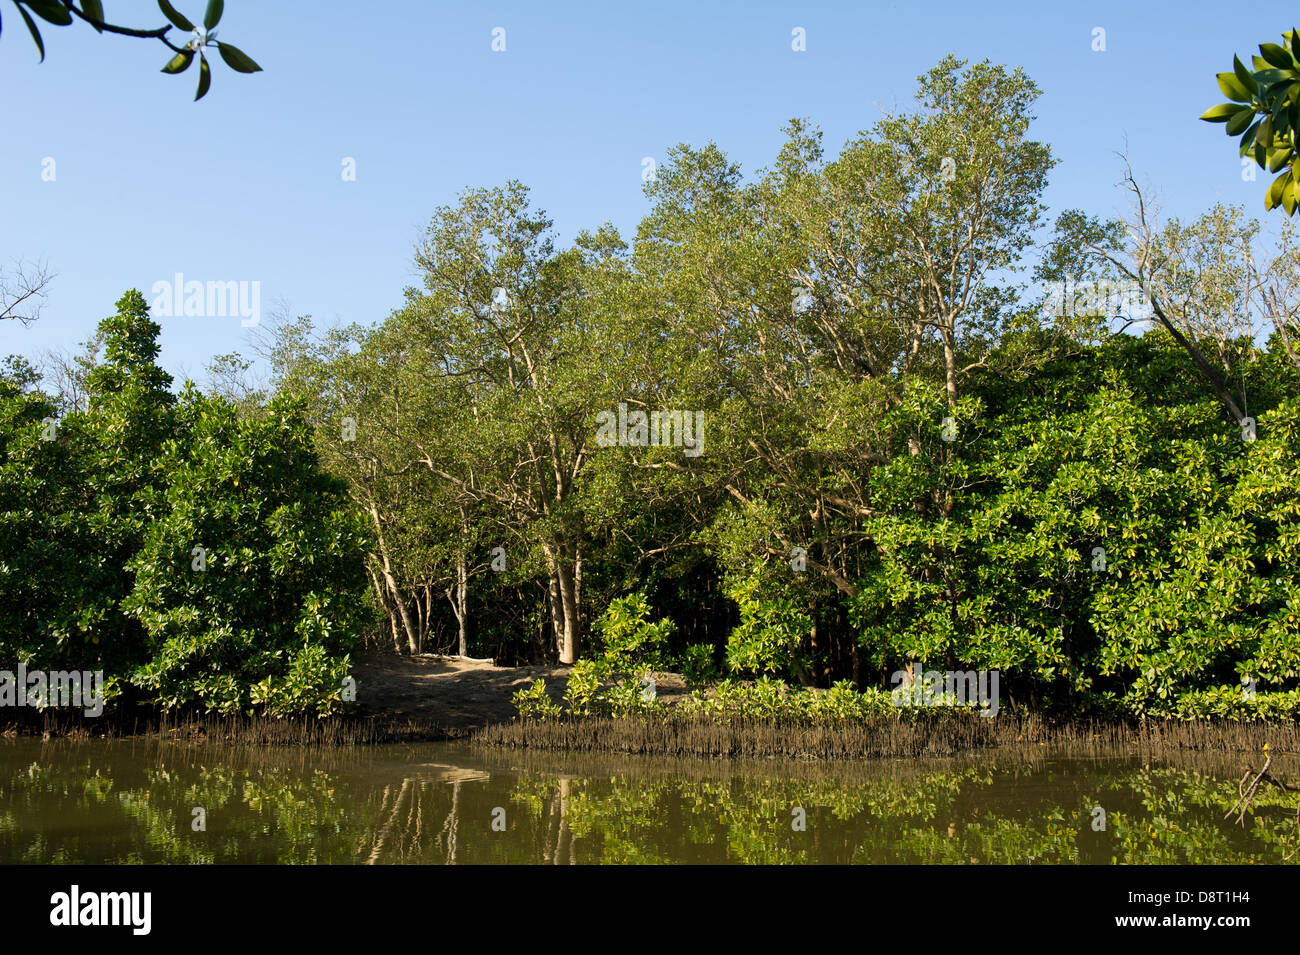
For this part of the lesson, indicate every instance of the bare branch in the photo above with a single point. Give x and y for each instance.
(23, 291)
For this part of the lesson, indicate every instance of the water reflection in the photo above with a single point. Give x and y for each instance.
(125, 802)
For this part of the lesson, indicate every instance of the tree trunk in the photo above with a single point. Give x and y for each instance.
(381, 593)
(818, 656)
(569, 605)
(557, 614)
(412, 630)
(1216, 382)
(950, 367)
(462, 602)
(566, 578)
(421, 622)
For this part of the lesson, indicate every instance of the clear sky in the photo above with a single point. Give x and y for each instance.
(246, 184)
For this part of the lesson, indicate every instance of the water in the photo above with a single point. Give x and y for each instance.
(136, 802)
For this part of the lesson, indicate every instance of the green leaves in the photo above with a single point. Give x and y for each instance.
(31, 28)
(1268, 117)
(279, 608)
(1264, 135)
(1240, 120)
(1221, 113)
(236, 59)
(60, 14)
(212, 16)
(205, 77)
(1282, 192)
(1244, 76)
(95, 11)
(180, 62)
(51, 11)
(1276, 56)
(175, 17)
(1233, 88)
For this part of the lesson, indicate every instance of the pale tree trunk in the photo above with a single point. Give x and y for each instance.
(460, 606)
(554, 606)
(408, 623)
(397, 634)
(563, 594)
(381, 593)
(569, 604)
(950, 366)
(950, 381)
(421, 623)
(577, 589)
(427, 632)
(539, 642)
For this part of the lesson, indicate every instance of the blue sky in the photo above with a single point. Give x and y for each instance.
(246, 184)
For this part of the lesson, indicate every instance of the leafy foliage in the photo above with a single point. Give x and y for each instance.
(265, 610)
(627, 640)
(197, 555)
(1264, 110)
(61, 12)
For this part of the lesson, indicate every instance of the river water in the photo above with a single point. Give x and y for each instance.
(149, 802)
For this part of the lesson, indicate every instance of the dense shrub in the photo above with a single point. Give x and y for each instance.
(198, 556)
(249, 586)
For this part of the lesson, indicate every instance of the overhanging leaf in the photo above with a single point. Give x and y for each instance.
(1233, 88)
(205, 77)
(1221, 113)
(174, 16)
(1264, 135)
(237, 59)
(212, 16)
(1243, 74)
(1240, 120)
(50, 11)
(1275, 55)
(1289, 197)
(36, 34)
(1248, 139)
(179, 63)
(95, 11)
(1274, 194)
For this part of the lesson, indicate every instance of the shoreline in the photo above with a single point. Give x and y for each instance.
(436, 698)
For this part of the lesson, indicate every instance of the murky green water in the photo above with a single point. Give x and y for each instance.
(97, 802)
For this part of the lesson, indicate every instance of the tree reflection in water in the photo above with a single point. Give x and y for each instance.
(134, 802)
